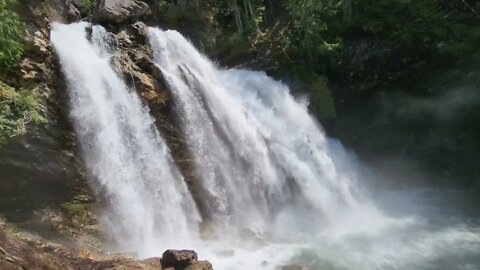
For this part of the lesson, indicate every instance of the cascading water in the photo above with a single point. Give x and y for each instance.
(260, 154)
(268, 168)
(149, 205)
(272, 188)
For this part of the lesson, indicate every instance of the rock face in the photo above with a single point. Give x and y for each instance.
(179, 259)
(118, 11)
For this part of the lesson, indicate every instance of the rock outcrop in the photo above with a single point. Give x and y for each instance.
(41, 169)
(44, 186)
(134, 63)
(119, 11)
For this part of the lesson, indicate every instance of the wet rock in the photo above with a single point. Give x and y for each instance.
(72, 12)
(146, 64)
(200, 265)
(124, 40)
(179, 258)
(118, 11)
(142, 60)
(36, 42)
(28, 70)
(139, 32)
(147, 85)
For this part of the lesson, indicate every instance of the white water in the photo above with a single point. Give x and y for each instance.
(273, 188)
(268, 168)
(261, 156)
(149, 206)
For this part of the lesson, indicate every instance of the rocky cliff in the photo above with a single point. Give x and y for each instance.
(44, 189)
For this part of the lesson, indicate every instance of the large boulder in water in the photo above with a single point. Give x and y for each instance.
(179, 259)
(118, 11)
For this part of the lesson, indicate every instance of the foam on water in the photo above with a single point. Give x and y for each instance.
(268, 167)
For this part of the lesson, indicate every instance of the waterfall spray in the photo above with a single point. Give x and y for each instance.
(149, 206)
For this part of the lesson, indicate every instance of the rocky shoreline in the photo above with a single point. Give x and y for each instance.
(19, 250)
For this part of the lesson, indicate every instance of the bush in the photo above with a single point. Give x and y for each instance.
(11, 30)
(17, 109)
(86, 6)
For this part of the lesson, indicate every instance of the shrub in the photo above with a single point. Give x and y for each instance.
(17, 109)
(11, 30)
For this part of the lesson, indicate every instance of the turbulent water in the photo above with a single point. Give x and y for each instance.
(261, 156)
(149, 203)
(271, 188)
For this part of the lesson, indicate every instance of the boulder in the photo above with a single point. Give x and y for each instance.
(179, 259)
(139, 32)
(118, 11)
(200, 265)
(72, 13)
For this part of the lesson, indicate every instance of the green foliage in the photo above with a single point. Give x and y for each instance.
(86, 6)
(320, 96)
(11, 30)
(402, 39)
(73, 208)
(401, 22)
(310, 25)
(17, 109)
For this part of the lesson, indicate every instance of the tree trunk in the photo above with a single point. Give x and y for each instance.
(237, 15)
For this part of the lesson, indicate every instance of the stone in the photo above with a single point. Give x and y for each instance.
(138, 31)
(28, 70)
(179, 258)
(158, 75)
(36, 42)
(200, 265)
(73, 14)
(142, 61)
(141, 71)
(124, 40)
(119, 11)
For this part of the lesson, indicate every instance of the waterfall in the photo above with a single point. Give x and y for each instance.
(259, 153)
(149, 207)
(269, 172)
(270, 188)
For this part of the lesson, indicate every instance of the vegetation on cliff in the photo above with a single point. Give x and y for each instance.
(17, 107)
(11, 30)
